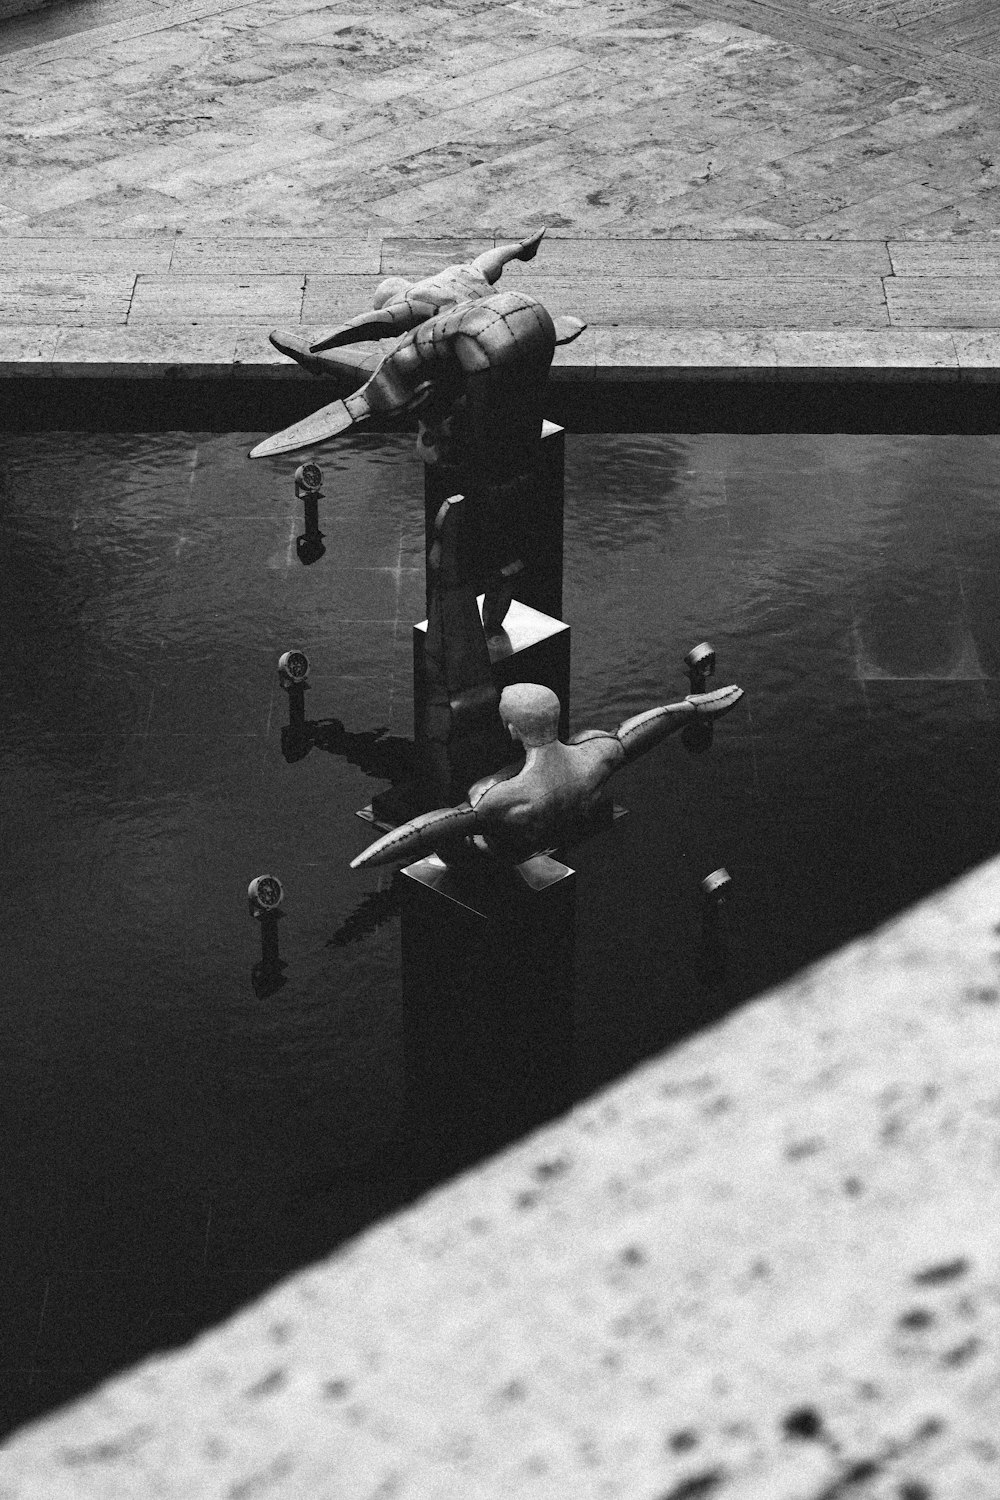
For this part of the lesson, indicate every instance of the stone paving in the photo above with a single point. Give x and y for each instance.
(737, 187)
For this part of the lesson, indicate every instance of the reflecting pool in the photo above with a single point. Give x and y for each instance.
(175, 1139)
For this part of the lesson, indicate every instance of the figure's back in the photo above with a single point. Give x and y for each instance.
(445, 288)
(560, 785)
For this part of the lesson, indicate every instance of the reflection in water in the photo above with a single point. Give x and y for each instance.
(268, 975)
(198, 1139)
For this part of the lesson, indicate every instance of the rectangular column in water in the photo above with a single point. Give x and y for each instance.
(534, 647)
(540, 584)
(488, 960)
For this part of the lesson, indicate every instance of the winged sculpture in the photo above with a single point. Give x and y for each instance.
(542, 802)
(448, 332)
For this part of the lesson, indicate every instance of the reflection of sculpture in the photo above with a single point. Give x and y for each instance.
(523, 809)
(461, 737)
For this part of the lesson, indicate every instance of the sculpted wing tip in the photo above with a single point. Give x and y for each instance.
(568, 329)
(318, 428)
(718, 702)
(419, 836)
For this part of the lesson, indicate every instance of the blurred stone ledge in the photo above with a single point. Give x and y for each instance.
(765, 1265)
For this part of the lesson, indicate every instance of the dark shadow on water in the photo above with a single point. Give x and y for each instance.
(378, 754)
(374, 911)
(375, 751)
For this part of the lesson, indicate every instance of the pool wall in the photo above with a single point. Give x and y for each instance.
(762, 1265)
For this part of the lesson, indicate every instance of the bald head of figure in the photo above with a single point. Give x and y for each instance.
(531, 713)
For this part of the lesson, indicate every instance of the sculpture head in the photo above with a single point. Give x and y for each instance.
(392, 289)
(531, 713)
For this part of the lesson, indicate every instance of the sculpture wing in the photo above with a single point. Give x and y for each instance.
(421, 835)
(643, 731)
(319, 428)
(383, 322)
(567, 329)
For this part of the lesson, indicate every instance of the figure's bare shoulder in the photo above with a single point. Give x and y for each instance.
(496, 778)
(597, 749)
(590, 734)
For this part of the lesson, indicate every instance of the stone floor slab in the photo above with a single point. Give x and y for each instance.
(951, 258)
(331, 299)
(256, 298)
(969, 301)
(275, 254)
(978, 354)
(888, 355)
(34, 254)
(148, 352)
(68, 299)
(641, 353)
(25, 350)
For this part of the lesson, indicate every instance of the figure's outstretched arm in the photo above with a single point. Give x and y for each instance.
(645, 730)
(421, 835)
(492, 262)
(382, 323)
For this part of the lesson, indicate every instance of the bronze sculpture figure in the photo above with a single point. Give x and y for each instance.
(449, 331)
(526, 808)
(400, 305)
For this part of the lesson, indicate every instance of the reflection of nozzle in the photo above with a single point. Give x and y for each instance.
(700, 663)
(265, 895)
(293, 669)
(713, 958)
(308, 482)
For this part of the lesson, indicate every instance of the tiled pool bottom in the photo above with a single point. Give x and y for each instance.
(174, 1142)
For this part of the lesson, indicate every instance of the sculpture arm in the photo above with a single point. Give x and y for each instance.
(421, 835)
(641, 733)
(383, 323)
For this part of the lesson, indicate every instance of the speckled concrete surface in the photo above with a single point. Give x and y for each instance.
(763, 1266)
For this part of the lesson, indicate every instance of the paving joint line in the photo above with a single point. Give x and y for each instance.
(131, 299)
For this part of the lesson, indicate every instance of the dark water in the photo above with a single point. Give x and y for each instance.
(174, 1142)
